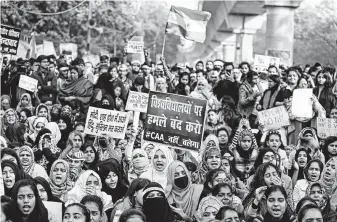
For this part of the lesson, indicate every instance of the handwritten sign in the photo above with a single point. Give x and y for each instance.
(28, 83)
(262, 62)
(103, 121)
(135, 47)
(326, 127)
(301, 104)
(54, 211)
(10, 38)
(137, 101)
(274, 118)
(175, 120)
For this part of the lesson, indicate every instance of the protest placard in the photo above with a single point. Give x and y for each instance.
(274, 118)
(103, 121)
(175, 120)
(301, 104)
(262, 62)
(135, 47)
(28, 83)
(326, 127)
(137, 101)
(54, 211)
(10, 38)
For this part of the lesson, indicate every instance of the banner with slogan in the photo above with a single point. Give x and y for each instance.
(301, 103)
(54, 211)
(106, 122)
(175, 120)
(326, 127)
(28, 83)
(10, 38)
(137, 101)
(135, 47)
(274, 118)
(262, 62)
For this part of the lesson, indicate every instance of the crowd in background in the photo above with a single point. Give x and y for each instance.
(242, 171)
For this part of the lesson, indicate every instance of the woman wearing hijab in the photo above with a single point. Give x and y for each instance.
(5, 102)
(25, 103)
(155, 205)
(161, 158)
(139, 164)
(78, 92)
(55, 130)
(208, 209)
(11, 174)
(329, 180)
(60, 182)
(203, 91)
(10, 154)
(89, 183)
(27, 159)
(10, 117)
(38, 124)
(109, 172)
(65, 126)
(211, 159)
(27, 204)
(74, 143)
(47, 151)
(42, 111)
(180, 192)
(15, 135)
(317, 192)
(45, 192)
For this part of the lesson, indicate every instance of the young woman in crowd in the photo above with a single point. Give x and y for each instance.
(329, 180)
(133, 198)
(60, 182)
(76, 212)
(42, 111)
(95, 206)
(312, 173)
(323, 90)
(183, 87)
(132, 215)
(25, 103)
(139, 164)
(330, 147)
(208, 209)
(65, 126)
(310, 212)
(27, 204)
(11, 174)
(302, 157)
(91, 157)
(38, 124)
(11, 155)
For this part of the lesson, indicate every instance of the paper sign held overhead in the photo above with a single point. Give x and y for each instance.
(274, 118)
(262, 62)
(175, 120)
(28, 83)
(137, 101)
(54, 211)
(135, 47)
(106, 122)
(301, 105)
(10, 38)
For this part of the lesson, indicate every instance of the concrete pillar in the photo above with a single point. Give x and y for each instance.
(228, 50)
(280, 29)
(247, 46)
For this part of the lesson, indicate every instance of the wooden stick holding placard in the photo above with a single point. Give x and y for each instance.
(162, 51)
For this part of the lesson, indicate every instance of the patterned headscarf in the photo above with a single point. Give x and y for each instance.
(61, 189)
(29, 168)
(53, 148)
(42, 106)
(206, 202)
(29, 106)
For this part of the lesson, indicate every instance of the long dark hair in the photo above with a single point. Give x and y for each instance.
(262, 152)
(39, 213)
(19, 174)
(93, 165)
(65, 133)
(328, 141)
(85, 210)
(11, 152)
(288, 213)
(93, 199)
(306, 168)
(258, 181)
(135, 186)
(304, 210)
(129, 213)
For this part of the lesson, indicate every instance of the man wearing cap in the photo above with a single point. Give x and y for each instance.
(135, 69)
(47, 81)
(63, 75)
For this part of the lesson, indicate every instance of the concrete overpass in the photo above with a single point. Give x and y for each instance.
(238, 29)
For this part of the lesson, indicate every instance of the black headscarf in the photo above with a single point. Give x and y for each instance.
(104, 168)
(40, 213)
(156, 209)
(11, 152)
(65, 133)
(39, 135)
(19, 175)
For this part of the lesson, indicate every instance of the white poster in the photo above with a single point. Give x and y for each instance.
(28, 83)
(135, 47)
(301, 105)
(54, 211)
(137, 101)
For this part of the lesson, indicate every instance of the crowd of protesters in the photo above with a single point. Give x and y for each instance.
(242, 171)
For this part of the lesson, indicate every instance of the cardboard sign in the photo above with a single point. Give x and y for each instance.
(137, 101)
(175, 120)
(103, 121)
(28, 83)
(54, 211)
(274, 118)
(262, 62)
(326, 127)
(135, 47)
(301, 104)
(69, 47)
(10, 38)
